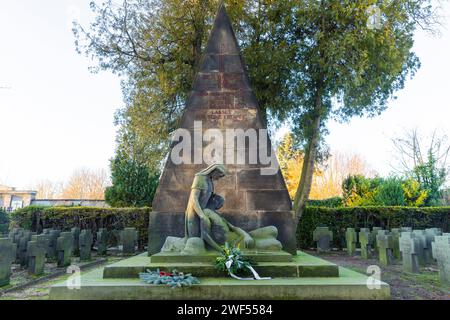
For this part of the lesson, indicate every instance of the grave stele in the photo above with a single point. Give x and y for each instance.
(373, 235)
(64, 248)
(430, 234)
(129, 237)
(22, 248)
(351, 239)
(420, 235)
(441, 252)
(323, 236)
(365, 243)
(409, 247)
(76, 241)
(395, 233)
(7, 257)
(14, 232)
(16, 239)
(384, 242)
(36, 251)
(102, 241)
(86, 239)
(375, 232)
(53, 240)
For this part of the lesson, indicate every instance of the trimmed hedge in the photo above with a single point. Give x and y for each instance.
(64, 218)
(337, 219)
(4, 221)
(4, 217)
(4, 227)
(334, 202)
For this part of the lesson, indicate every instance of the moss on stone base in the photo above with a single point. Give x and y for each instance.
(349, 285)
(346, 284)
(302, 265)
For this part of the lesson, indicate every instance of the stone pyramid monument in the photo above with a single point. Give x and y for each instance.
(222, 98)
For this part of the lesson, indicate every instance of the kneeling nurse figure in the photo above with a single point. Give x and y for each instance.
(202, 221)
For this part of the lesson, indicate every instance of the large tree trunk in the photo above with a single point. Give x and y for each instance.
(197, 45)
(304, 186)
(313, 136)
(199, 33)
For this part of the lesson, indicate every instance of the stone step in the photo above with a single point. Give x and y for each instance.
(302, 265)
(265, 269)
(349, 285)
(210, 257)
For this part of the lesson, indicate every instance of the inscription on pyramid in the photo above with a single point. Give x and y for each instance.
(222, 99)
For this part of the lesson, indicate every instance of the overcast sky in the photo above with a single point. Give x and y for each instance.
(56, 116)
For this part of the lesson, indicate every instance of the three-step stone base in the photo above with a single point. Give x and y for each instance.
(299, 277)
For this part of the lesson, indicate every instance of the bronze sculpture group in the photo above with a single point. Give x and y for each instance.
(206, 229)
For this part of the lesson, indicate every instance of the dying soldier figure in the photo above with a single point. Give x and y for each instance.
(204, 225)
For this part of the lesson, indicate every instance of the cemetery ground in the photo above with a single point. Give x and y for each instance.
(24, 286)
(404, 286)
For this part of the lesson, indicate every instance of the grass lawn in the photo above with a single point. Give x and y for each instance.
(404, 286)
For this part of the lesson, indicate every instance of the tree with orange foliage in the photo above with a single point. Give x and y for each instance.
(86, 184)
(327, 178)
(47, 189)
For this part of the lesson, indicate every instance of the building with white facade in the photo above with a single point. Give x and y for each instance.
(12, 199)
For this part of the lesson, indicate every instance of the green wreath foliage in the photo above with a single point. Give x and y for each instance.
(239, 263)
(173, 279)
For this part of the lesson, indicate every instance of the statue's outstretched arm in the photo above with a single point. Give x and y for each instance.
(248, 240)
(206, 236)
(235, 229)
